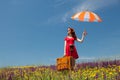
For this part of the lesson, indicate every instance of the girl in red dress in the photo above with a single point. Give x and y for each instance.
(69, 47)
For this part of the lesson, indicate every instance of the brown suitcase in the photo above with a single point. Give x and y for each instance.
(65, 63)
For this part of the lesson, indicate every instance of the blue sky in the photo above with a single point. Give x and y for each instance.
(32, 31)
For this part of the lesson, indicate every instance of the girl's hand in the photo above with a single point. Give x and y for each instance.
(84, 33)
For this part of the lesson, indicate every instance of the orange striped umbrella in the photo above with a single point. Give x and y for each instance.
(86, 16)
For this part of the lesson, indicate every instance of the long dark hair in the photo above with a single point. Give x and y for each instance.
(72, 33)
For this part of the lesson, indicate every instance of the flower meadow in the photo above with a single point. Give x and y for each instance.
(103, 70)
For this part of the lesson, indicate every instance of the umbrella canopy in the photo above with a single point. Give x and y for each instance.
(86, 16)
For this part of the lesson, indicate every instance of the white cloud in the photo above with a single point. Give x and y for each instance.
(93, 5)
(59, 3)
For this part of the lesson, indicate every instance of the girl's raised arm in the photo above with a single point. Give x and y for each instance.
(83, 36)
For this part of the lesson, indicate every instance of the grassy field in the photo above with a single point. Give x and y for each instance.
(102, 70)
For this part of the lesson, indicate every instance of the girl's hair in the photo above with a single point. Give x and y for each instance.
(72, 33)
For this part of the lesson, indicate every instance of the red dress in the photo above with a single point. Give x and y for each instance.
(69, 52)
